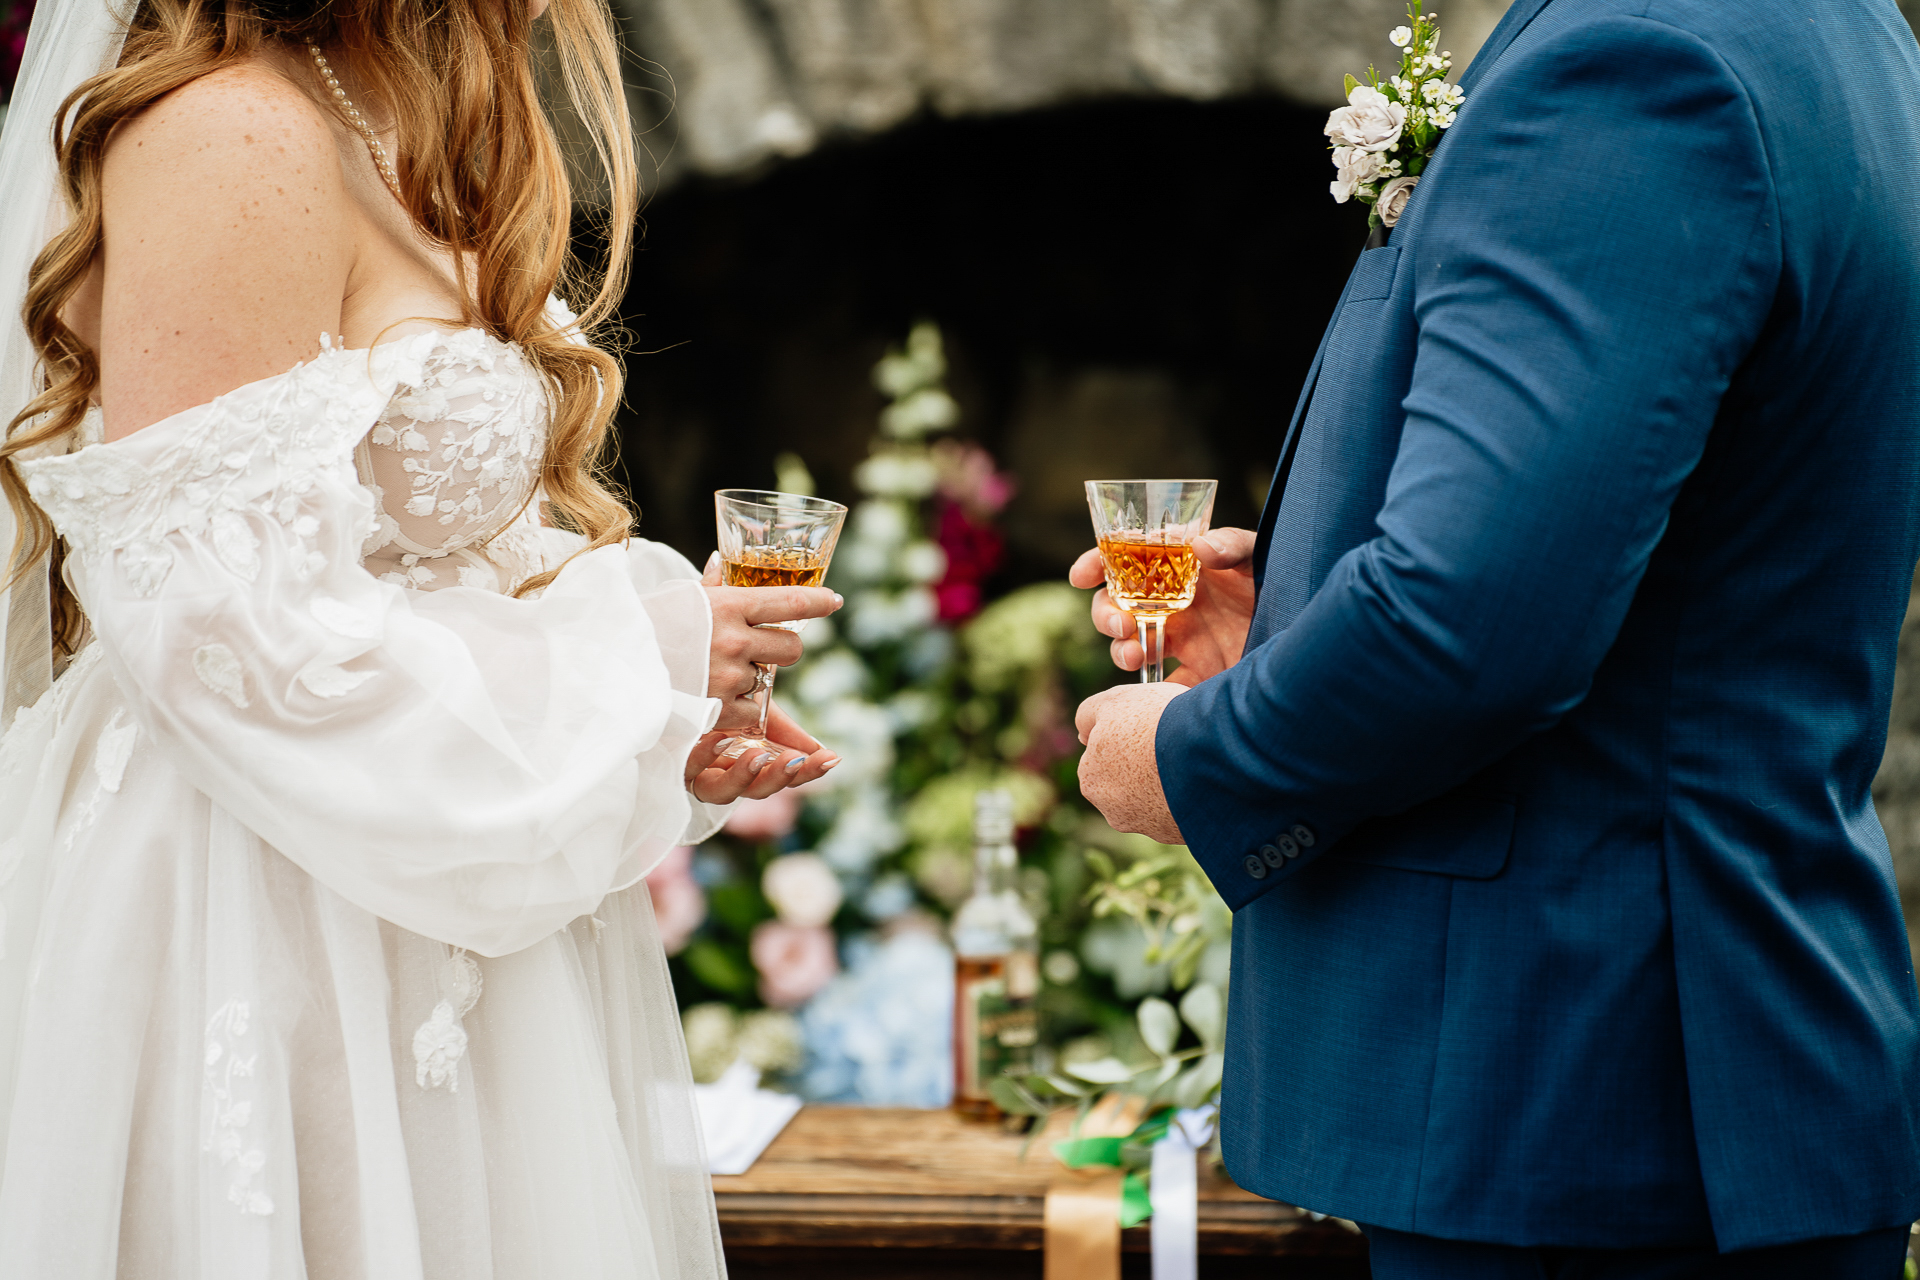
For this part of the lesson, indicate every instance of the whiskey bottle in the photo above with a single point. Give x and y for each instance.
(996, 964)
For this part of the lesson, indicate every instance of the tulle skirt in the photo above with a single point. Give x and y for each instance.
(212, 1067)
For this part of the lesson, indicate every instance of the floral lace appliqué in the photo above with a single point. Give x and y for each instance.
(441, 1040)
(226, 1073)
(451, 462)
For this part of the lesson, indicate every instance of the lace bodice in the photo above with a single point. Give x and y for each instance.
(476, 768)
(452, 464)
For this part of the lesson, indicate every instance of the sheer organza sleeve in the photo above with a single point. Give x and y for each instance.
(475, 768)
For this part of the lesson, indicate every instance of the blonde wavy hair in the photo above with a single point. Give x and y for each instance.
(482, 174)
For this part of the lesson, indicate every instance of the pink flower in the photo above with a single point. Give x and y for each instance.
(767, 819)
(968, 478)
(974, 551)
(679, 904)
(794, 961)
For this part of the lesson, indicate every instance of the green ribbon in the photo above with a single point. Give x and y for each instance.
(1078, 1153)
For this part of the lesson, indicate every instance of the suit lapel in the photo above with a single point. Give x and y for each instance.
(1518, 15)
(1511, 24)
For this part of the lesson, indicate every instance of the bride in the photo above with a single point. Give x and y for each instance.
(321, 946)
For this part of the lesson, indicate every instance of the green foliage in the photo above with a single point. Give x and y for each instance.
(1165, 892)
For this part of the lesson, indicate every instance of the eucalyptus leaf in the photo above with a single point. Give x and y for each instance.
(1011, 1098)
(1072, 1088)
(1161, 1085)
(1159, 1026)
(1197, 1084)
(1205, 1010)
(1101, 1071)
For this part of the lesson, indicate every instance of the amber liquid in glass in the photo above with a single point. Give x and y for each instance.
(774, 567)
(1150, 577)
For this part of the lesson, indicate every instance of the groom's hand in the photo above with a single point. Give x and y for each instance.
(1118, 773)
(1209, 635)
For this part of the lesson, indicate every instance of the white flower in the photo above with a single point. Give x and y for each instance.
(1356, 169)
(802, 888)
(1401, 37)
(1393, 200)
(437, 1048)
(1370, 121)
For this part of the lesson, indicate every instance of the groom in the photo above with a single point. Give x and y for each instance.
(1566, 938)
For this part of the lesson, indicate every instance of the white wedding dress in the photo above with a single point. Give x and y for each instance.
(323, 951)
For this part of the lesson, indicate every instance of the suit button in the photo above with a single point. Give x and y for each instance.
(1288, 846)
(1255, 868)
(1272, 855)
(1304, 835)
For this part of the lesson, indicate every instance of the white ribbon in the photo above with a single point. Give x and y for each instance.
(1174, 1193)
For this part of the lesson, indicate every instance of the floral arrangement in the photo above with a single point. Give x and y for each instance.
(1385, 135)
(816, 919)
(1178, 1055)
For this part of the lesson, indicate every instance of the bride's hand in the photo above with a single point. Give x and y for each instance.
(741, 638)
(791, 757)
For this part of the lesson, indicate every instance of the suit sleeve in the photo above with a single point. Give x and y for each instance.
(1597, 249)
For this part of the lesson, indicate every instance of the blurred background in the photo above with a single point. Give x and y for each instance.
(943, 260)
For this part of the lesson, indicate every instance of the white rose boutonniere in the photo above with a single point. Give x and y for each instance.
(1371, 121)
(1356, 169)
(1385, 135)
(1393, 200)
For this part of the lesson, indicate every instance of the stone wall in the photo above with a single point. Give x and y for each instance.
(727, 86)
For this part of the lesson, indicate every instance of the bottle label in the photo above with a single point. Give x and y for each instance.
(998, 1032)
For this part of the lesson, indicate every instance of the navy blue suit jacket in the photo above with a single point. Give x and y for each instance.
(1541, 792)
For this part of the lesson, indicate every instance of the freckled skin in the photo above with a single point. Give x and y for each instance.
(242, 221)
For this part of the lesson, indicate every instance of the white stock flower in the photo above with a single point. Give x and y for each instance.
(1370, 121)
(1356, 169)
(1401, 37)
(802, 888)
(1393, 200)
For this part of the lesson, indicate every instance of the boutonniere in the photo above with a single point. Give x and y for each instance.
(1384, 136)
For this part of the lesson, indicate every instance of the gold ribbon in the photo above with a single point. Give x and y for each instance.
(1083, 1225)
(1082, 1211)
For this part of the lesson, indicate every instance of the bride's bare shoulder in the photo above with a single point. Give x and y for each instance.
(239, 123)
(235, 244)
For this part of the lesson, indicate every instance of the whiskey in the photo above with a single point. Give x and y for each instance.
(1147, 577)
(996, 966)
(775, 567)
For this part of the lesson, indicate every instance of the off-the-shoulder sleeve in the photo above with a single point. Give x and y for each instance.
(472, 767)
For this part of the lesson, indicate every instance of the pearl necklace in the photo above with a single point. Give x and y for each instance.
(378, 151)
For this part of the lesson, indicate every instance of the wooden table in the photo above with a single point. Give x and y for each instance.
(866, 1192)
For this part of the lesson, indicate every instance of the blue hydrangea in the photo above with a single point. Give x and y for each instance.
(881, 1033)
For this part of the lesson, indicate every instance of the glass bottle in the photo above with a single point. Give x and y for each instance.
(996, 964)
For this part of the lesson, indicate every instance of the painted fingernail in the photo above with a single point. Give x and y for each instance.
(724, 743)
(795, 763)
(713, 561)
(828, 766)
(837, 601)
(760, 762)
